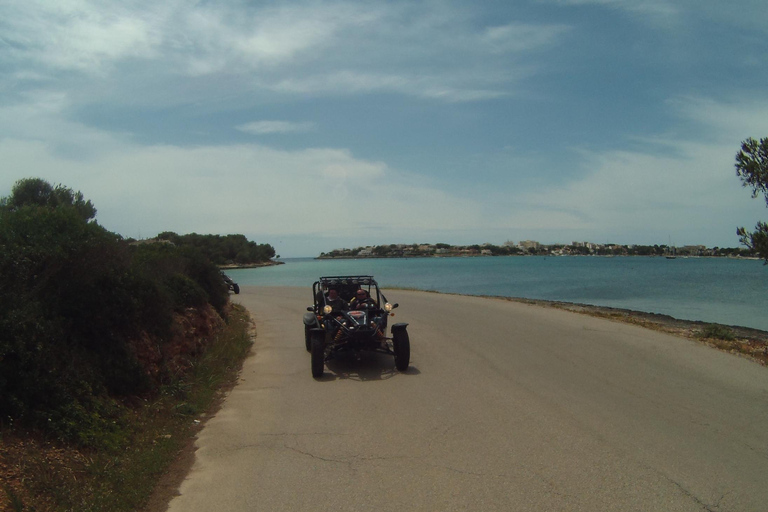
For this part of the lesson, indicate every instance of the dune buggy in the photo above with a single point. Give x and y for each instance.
(332, 326)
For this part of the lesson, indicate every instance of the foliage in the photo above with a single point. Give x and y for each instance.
(122, 478)
(752, 168)
(75, 297)
(37, 192)
(717, 332)
(223, 250)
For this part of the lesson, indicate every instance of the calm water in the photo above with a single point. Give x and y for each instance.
(720, 290)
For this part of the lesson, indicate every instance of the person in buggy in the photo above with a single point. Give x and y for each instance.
(361, 300)
(335, 301)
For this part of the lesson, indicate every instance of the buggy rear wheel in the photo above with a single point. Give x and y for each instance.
(402, 348)
(318, 355)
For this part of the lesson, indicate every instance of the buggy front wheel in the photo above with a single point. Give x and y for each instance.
(318, 355)
(402, 348)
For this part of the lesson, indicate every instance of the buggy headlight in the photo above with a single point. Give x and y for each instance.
(387, 307)
(327, 310)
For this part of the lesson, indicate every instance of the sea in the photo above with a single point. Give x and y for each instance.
(718, 290)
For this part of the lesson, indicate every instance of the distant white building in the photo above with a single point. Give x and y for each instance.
(529, 244)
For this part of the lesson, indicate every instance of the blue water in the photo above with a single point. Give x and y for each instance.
(719, 290)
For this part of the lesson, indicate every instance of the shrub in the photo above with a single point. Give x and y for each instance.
(717, 331)
(186, 293)
(74, 298)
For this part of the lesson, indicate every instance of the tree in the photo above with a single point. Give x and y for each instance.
(38, 192)
(77, 303)
(752, 168)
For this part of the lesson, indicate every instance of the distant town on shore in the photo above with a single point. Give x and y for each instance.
(533, 248)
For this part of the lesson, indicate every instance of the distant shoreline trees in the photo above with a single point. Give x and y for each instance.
(223, 249)
(426, 250)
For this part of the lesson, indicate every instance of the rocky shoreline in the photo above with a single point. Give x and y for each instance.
(269, 263)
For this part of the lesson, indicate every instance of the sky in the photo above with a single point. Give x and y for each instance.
(316, 125)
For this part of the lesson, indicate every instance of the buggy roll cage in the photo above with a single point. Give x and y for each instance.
(346, 287)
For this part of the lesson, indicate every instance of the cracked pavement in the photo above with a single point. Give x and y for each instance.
(506, 406)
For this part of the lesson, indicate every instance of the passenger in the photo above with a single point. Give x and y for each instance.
(336, 302)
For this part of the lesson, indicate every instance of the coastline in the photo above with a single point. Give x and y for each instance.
(269, 263)
(413, 256)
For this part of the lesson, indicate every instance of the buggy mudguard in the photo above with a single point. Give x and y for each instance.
(310, 319)
(399, 327)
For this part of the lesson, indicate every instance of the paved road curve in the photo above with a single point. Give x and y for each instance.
(506, 407)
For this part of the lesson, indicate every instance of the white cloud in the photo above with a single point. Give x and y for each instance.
(680, 187)
(42, 116)
(304, 48)
(141, 191)
(68, 66)
(453, 89)
(267, 127)
(737, 119)
(76, 35)
(220, 36)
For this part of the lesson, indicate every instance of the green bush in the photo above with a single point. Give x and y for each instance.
(74, 298)
(717, 332)
(186, 292)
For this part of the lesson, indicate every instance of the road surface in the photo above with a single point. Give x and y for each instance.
(506, 406)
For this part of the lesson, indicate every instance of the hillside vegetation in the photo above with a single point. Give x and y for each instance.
(223, 249)
(93, 327)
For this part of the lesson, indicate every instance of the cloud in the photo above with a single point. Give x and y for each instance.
(685, 187)
(75, 35)
(453, 89)
(634, 197)
(302, 48)
(679, 187)
(141, 191)
(731, 119)
(267, 127)
(218, 36)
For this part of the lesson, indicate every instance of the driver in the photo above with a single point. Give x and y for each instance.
(362, 300)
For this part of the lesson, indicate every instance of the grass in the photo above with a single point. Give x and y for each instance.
(42, 475)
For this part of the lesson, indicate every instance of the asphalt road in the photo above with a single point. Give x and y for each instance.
(506, 406)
